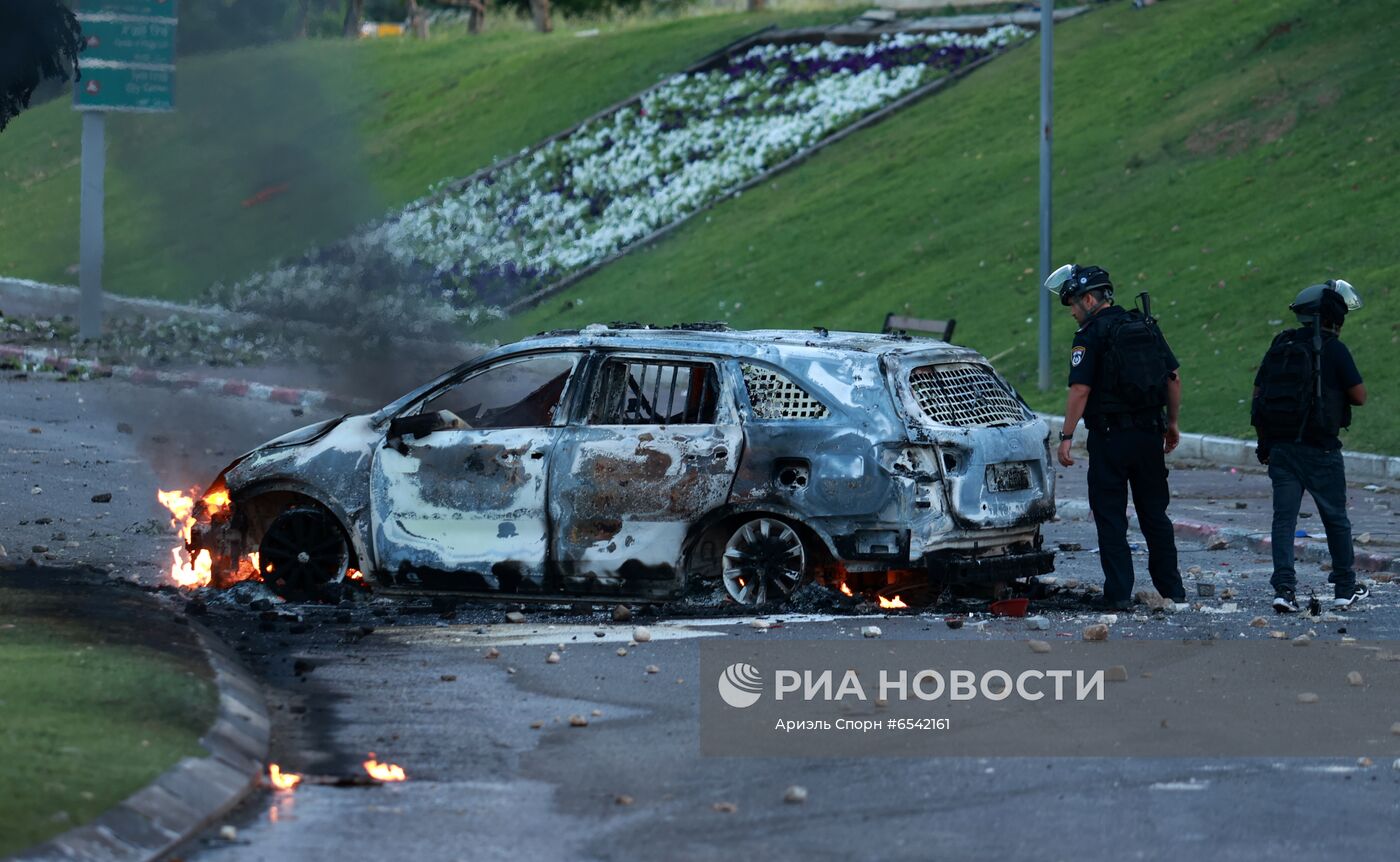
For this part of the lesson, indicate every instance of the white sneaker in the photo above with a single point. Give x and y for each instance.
(1359, 592)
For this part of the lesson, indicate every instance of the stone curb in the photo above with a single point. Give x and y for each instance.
(1262, 543)
(27, 292)
(1234, 452)
(193, 793)
(305, 398)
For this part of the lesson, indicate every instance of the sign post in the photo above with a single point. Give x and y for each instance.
(128, 64)
(1047, 71)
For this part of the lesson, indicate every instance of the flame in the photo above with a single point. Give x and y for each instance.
(281, 780)
(847, 590)
(354, 575)
(895, 602)
(198, 572)
(383, 771)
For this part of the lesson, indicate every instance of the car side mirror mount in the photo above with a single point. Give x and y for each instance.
(422, 424)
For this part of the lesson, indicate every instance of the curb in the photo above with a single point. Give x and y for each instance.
(190, 795)
(1234, 452)
(27, 292)
(1262, 543)
(304, 398)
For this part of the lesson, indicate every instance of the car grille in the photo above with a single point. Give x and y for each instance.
(965, 396)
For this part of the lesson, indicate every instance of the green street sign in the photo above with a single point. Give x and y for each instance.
(125, 41)
(123, 88)
(142, 8)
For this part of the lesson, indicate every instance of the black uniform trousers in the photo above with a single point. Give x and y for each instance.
(1120, 458)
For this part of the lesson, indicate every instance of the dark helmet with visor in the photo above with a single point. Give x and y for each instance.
(1330, 300)
(1072, 280)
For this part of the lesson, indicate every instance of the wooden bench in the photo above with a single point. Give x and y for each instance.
(898, 324)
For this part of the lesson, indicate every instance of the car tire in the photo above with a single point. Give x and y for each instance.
(764, 561)
(302, 550)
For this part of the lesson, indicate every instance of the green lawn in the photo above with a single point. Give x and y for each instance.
(331, 133)
(1221, 155)
(92, 708)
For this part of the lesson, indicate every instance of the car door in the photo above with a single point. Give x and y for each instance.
(458, 490)
(655, 447)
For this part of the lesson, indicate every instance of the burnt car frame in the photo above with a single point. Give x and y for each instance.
(636, 461)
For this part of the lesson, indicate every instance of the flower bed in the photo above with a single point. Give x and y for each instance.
(614, 181)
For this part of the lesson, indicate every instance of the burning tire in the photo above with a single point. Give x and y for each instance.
(765, 559)
(302, 549)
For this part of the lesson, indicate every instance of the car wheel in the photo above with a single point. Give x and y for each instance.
(302, 549)
(764, 561)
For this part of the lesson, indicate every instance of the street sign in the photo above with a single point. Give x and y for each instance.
(126, 88)
(139, 8)
(122, 40)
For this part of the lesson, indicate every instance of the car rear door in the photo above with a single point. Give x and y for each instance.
(654, 447)
(461, 502)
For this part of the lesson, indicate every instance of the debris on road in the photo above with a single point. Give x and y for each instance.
(622, 650)
(641, 634)
(552, 658)
(621, 614)
(577, 720)
(492, 652)
(1039, 646)
(1355, 678)
(1039, 624)
(1308, 697)
(623, 799)
(102, 498)
(651, 668)
(448, 677)
(1096, 632)
(725, 807)
(1117, 673)
(796, 794)
(1218, 545)
(870, 631)
(228, 833)
(515, 617)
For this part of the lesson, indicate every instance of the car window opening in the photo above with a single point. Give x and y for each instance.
(654, 393)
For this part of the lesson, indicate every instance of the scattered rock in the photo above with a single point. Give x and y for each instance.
(552, 658)
(260, 604)
(1218, 545)
(1308, 697)
(448, 677)
(651, 668)
(42, 521)
(795, 794)
(1117, 673)
(1038, 624)
(228, 833)
(1108, 619)
(3, 552)
(36, 490)
(104, 497)
(623, 799)
(1241, 505)
(1355, 678)
(725, 807)
(1151, 598)
(1205, 589)
(1363, 539)
(600, 633)
(621, 614)
(953, 622)
(1096, 632)
(641, 634)
(577, 720)
(40, 549)
(1259, 622)
(1395, 730)
(1365, 762)
(536, 725)
(1071, 547)
(1194, 570)
(492, 652)
(1302, 640)
(124, 428)
(515, 617)
(870, 632)
(760, 624)
(622, 650)
(597, 713)
(1039, 646)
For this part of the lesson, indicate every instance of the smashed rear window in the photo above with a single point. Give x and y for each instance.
(774, 395)
(965, 395)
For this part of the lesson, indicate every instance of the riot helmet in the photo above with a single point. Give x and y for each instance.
(1330, 301)
(1072, 281)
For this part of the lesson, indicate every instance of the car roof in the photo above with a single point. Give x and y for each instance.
(720, 339)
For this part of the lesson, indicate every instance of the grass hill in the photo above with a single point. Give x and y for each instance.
(1221, 155)
(277, 148)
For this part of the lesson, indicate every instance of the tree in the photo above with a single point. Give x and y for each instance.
(354, 14)
(539, 10)
(39, 39)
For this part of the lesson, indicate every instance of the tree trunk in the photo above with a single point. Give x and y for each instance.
(478, 16)
(302, 17)
(354, 14)
(417, 20)
(539, 10)
(757, 5)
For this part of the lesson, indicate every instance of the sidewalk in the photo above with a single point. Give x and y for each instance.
(1235, 504)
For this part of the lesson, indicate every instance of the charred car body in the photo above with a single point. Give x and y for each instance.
(631, 461)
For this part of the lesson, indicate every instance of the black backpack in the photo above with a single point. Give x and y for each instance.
(1134, 364)
(1286, 407)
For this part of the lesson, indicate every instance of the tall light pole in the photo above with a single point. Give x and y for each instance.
(1047, 26)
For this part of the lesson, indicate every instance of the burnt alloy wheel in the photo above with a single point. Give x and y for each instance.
(302, 549)
(764, 560)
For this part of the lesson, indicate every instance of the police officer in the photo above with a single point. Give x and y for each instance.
(1123, 382)
(1303, 394)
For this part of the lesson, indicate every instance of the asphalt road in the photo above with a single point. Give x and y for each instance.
(419, 691)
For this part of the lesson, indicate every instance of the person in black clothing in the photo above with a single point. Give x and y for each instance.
(1123, 382)
(1303, 397)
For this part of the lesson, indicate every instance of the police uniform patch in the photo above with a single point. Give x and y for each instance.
(1076, 356)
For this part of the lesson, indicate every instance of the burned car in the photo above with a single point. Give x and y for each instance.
(639, 462)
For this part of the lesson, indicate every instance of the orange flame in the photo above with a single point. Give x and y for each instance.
(895, 602)
(383, 771)
(354, 575)
(281, 780)
(198, 572)
(847, 590)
